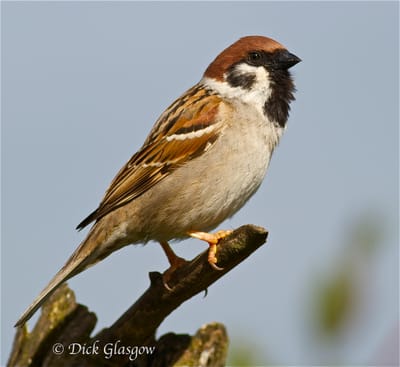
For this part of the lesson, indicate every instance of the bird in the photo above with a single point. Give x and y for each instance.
(205, 156)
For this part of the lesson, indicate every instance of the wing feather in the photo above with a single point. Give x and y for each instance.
(168, 146)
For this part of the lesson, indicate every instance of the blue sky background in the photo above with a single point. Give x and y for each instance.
(83, 83)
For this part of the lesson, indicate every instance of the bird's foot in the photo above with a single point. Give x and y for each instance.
(212, 239)
(174, 261)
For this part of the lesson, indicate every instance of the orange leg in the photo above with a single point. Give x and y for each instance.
(174, 261)
(213, 240)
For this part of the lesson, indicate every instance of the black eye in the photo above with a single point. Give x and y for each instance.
(255, 58)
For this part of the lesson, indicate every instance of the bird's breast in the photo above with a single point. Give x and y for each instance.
(250, 140)
(212, 187)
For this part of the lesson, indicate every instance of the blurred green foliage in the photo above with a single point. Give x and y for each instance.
(337, 293)
(242, 354)
(333, 302)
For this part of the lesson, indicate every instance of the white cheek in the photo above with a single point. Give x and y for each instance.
(261, 90)
(257, 95)
(262, 76)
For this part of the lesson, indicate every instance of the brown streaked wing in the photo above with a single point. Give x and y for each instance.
(197, 96)
(160, 156)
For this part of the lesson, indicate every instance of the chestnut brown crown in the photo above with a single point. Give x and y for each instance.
(239, 51)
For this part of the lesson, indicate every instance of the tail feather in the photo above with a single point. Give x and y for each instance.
(60, 277)
(81, 259)
(100, 242)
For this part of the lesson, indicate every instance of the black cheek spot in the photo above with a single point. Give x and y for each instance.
(238, 79)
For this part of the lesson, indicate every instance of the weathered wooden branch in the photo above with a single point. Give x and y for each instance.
(61, 337)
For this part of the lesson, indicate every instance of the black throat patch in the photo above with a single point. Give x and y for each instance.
(277, 106)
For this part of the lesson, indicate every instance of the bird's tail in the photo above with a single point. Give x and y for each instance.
(83, 257)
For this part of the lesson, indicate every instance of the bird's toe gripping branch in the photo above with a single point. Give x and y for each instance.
(212, 239)
(175, 261)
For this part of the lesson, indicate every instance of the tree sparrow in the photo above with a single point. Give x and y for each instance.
(206, 155)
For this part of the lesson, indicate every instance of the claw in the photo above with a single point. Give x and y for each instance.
(166, 286)
(212, 259)
(213, 239)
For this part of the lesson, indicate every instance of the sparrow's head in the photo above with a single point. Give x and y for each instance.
(255, 69)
